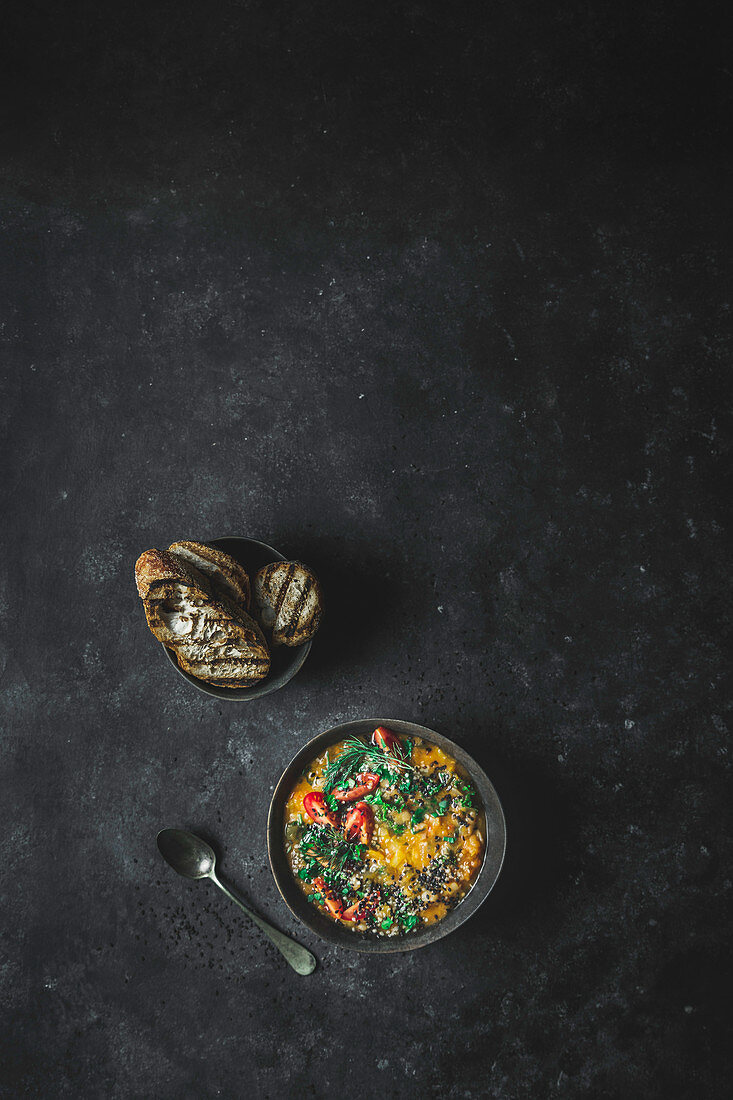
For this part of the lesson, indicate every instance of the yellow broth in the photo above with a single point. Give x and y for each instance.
(425, 850)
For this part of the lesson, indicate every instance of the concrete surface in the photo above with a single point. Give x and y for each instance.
(435, 300)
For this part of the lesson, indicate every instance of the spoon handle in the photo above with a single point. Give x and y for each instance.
(299, 958)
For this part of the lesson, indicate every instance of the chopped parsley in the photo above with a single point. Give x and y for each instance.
(382, 809)
(466, 795)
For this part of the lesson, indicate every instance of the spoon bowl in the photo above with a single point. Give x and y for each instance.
(187, 853)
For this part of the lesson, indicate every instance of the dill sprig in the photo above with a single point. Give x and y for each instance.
(355, 755)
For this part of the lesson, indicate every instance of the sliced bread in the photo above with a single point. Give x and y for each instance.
(226, 575)
(289, 602)
(212, 638)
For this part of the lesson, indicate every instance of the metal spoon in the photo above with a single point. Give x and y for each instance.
(191, 856)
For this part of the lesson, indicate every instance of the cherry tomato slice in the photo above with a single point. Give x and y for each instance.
(330, 901)
(365, 783)
(315, 806)
(387, 741)
(359, 823)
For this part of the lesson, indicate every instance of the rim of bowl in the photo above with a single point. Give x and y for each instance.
(270, 683)
(327, 929)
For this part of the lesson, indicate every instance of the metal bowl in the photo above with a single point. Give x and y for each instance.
(329, 929)
(252, 555)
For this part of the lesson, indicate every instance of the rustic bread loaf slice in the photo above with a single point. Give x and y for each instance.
(217, 638)
(226, 575)
(239, 672)
(289, 601)
(158, 567)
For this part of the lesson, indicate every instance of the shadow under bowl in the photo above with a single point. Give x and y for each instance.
(333, 931)
(286, 661)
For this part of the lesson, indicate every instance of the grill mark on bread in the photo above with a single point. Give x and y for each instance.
(225, 671)
(294, 621)
(289, 600)
(250, 661)
(283, 588)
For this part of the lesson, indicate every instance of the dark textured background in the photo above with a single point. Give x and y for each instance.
(436, 299)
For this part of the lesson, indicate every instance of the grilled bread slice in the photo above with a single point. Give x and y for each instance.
(223, 673)
(289, 600)
(212, 638)
(226, 575)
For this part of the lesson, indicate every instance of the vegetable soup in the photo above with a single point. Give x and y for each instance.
(384, 835)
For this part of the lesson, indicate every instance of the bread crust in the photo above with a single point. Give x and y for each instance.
(155, 567)
(226, 575)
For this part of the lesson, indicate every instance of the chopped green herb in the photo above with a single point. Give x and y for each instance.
(324, 841)
(387, 923)
(383, 809)
(467, 795)
(418, 816)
